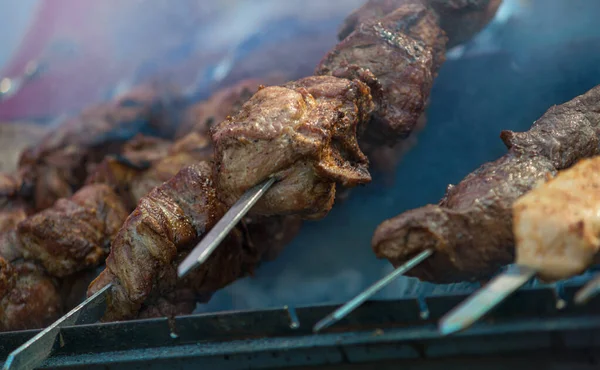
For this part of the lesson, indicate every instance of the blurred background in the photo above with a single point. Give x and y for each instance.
(534, 54)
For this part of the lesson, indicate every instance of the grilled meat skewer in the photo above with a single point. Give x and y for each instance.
(556, 225)
(471, 227)
(304, 132)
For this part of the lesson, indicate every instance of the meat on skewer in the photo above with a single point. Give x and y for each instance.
(58, 165)
(29, 298)
(168, 221)
(394, 57)
(471, 227)
(460, 19)
(75, 233)
(304, 132)
(557, 224)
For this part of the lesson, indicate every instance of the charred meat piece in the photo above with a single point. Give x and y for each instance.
(135, 173)
(75, 233)
(471, 229)
(172, 217)
(186, 151)
(460, 19)
(557, 225)
(304, 133)
(398, 56)
(56, 167)
(156, 237)
(142, 151)
(29, 299)
(201, 116)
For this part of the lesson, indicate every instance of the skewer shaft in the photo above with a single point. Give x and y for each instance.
(32, 353)
(351, 305)
(216, 235)
(589, 291)
(485, 299)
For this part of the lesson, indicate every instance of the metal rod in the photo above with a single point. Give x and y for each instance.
(485, 299)
(352, 304)
(589, 291)
(216, 235)
(35, 351)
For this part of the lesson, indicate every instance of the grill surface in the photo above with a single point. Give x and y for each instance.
(528, 324)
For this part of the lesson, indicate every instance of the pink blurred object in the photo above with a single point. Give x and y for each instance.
(86, 48)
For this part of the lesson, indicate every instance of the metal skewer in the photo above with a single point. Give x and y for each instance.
(485, 299)
(37, 349)
(32, 353)
(216, 235)
(589, 291)
(351, 305)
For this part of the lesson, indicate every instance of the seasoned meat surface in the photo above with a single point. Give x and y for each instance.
(201, 116)
(156, 237)
(397, 56)
(56, 167)
(172, 217)
(304, 133)
(471, 228)
(75, 233)
(557, 224)
(460, 19)
(30, 300)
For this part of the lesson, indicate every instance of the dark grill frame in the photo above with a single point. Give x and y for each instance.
(527, 324)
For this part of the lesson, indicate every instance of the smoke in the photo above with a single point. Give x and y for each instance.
(534, 54)
(478, 93)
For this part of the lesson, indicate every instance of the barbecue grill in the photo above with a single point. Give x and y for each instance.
(266, 321)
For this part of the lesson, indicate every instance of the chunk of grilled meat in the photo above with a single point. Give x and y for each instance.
(471, 228)
(143, 151)
(75, 233)
(29, 299)
(135, 173)
(201, 116)
(171, 218)
(557, 224)
(56, 167)
(156, 237)
(304, 133)
(398, 56)
(460, 19)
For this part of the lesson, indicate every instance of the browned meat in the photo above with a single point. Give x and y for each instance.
(172, 217)
(168, 221)
(32, 301)
(403, 51)
(304, 133)
(134, 174)
(143, 151)
(201, 116)
(75, 233)
(471, 228)
(56, 167)
(188, 150)
(460, 19)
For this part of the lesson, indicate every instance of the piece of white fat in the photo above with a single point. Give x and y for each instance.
(557, 224)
